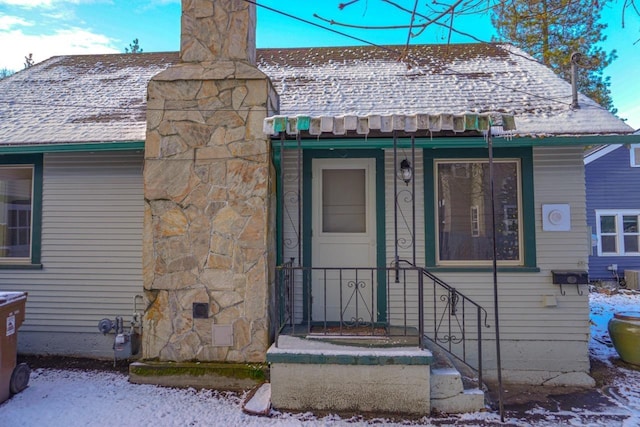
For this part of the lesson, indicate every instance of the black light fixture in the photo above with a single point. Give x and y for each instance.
(406, 171)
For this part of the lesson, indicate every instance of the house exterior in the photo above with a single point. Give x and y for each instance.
(330, 188)
(72, 144)
(612, 174)
(366, 115)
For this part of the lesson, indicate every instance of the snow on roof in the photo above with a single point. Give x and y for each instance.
(80, 98)
(102, 98)
(433, 79)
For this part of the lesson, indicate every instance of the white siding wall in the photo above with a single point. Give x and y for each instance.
(91, 253)
(405, 223)
(397, 305)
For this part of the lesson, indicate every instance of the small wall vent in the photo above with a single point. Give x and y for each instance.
(200, 310)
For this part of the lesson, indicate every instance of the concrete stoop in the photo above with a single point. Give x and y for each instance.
(315, 375)
(449, 396)
(320, 376)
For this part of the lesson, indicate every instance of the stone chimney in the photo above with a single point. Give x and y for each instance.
(209, 242)
(218, 30)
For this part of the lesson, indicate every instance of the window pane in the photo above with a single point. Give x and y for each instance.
(464, 188)
(15, 211)
(343, 201)
(636, 156)
(631, 244)
(609, 244)
(608, 224)
(630, 224)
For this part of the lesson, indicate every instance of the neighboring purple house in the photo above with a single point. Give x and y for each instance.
(612, 175)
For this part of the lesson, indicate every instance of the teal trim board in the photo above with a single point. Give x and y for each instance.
(457, 142)
(376, 356)
(71, 147)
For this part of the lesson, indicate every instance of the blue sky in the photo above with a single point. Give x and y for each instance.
(57, 27)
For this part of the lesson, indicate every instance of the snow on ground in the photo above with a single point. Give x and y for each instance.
(77, 398)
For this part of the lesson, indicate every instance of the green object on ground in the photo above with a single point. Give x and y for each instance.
(624, 330)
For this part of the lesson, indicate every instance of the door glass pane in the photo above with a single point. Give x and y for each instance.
(343, 201)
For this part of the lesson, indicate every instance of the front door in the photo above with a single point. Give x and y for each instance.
(343, 236)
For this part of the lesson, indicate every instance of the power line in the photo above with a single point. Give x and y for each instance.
(400, 54)
(297, 18)
(405, 55)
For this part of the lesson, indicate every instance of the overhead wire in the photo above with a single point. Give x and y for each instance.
(404, 26)
(389, 49)
(413, 17)
(413, 60)
(315, 24)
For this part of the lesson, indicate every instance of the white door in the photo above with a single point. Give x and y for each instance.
(343, 235)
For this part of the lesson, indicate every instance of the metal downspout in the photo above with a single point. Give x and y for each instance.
(495, 276)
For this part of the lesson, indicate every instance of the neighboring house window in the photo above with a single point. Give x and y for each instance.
(462, 221)
(635, 155)
(618, 232)
(475, 221)
(20, 207)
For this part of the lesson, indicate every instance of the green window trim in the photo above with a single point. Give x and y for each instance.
(528, 212)
(36, 219)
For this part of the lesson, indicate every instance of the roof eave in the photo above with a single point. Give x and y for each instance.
(71, 147)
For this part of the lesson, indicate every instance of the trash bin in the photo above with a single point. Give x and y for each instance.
(13, 379)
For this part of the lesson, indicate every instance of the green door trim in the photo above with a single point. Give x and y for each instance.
(378, 155)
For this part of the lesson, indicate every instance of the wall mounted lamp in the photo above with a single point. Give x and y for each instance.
(406, 171)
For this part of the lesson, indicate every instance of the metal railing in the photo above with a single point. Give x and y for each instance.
(401, 300)
(349, 301)
(455, 322)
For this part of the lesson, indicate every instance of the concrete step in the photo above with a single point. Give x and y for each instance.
(445, 383)
(453, 391)
(323, 376)
(449, 396)
(471, 400)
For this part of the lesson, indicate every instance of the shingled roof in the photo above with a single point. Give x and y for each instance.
(79, 99)
(432, 79)
(102, 98)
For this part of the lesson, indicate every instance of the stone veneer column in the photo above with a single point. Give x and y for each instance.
(208, 226)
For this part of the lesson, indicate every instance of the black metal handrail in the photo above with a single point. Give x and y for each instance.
(449, 323)
(356, 307)
(451, 314)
